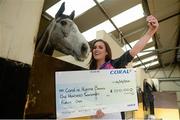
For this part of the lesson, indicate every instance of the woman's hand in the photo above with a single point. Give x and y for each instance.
(99, 114)
(153, 26)
(152, 23)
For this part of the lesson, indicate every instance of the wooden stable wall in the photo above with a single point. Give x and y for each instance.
(13, 88)
(41, 103)
(19, 21)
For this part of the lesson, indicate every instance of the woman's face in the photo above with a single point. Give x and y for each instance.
(99, 51)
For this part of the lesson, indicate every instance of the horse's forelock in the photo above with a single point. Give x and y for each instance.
(63, 17)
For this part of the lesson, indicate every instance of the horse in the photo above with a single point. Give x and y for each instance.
(63, 35)
(149, 86)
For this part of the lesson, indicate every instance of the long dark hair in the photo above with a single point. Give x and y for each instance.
(108, 56)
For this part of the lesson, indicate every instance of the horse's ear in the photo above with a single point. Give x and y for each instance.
(60, 11)
(72, 15)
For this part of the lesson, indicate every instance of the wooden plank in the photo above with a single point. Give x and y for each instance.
(165, 100)
(19, 21)
(42, 85)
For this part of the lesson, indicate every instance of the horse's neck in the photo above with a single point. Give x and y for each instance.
(43, 48)
(49, 50)
(44, 45)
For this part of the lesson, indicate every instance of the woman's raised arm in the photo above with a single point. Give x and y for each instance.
(153, 26)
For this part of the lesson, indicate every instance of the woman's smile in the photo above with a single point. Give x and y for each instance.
(99, 51)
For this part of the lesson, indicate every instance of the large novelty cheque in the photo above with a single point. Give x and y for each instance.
(82, 93)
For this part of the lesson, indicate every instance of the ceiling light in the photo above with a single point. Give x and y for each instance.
(150, 64)
(80, 6)
(151, 58)
(120, 20)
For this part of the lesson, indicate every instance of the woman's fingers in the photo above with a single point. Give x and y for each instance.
(152, 21)
(149, 18)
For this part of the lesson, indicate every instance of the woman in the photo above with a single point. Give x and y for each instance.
(102, 58)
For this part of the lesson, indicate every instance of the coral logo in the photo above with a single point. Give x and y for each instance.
(121, 71)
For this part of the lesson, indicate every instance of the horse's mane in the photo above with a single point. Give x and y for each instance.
(42, 41)
(40, 44)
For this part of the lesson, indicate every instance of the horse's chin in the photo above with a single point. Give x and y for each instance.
(76, 56)
(79, 58)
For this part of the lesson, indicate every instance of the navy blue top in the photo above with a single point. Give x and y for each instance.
(120, 62)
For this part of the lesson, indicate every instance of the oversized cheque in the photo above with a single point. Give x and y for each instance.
(81, 93)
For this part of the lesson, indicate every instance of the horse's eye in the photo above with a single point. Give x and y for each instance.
(63, 22)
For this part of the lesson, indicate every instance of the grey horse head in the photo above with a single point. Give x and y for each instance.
(63, 35)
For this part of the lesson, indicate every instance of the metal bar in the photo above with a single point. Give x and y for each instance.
(146, 62)
(169, 17)
(162, 50)
(117, 29)
(151, 63)
(147, 12)
(154, 67)
(144, 56)
(155, 73)
(107, 16)
(171, 79)
(169, 91)
(172, 70)
(145, 7)
(163, 66)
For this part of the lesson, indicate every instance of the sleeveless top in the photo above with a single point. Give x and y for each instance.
(120, 62)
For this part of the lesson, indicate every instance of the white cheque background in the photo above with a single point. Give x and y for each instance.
(81, 93)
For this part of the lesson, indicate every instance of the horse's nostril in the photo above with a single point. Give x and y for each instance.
(84, 48)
